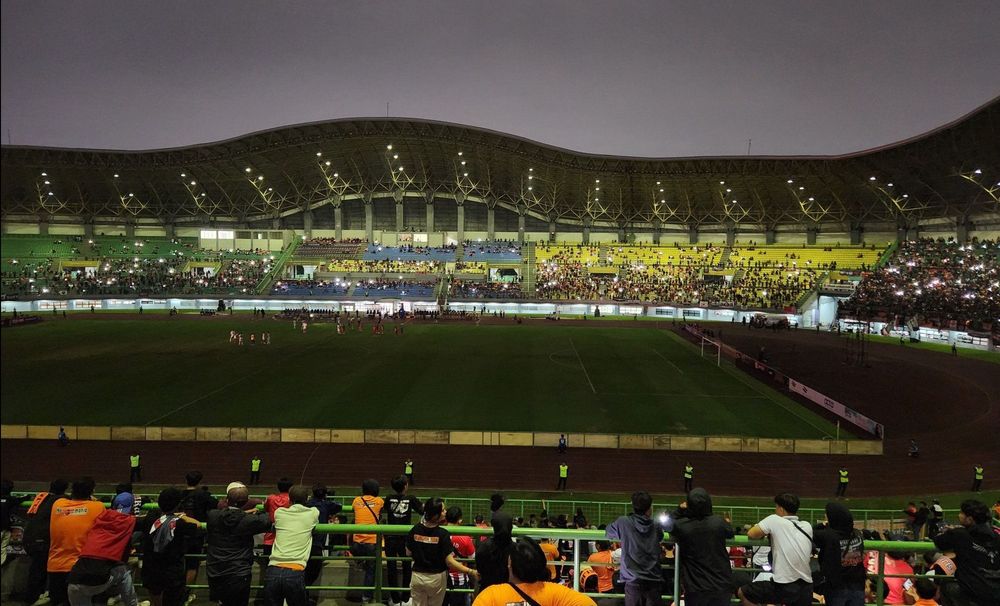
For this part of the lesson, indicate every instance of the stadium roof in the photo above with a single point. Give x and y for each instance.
(952, 171)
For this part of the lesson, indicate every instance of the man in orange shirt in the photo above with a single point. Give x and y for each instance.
(605, 574)
(551, 554)
(528, 582)
(367, 510)
(68, 527)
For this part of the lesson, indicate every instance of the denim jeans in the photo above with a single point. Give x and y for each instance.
(366, 550)
(119, 583)
(285, 585)
(643, 593)
(846, 597)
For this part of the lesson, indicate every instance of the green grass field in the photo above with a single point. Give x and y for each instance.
(184, 372)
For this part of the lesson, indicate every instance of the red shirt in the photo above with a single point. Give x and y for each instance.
(273, 503)
(464, 548)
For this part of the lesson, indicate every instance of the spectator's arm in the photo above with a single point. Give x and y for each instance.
(756, 532)
(612, 531)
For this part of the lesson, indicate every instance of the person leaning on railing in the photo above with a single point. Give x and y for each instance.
(528, 582)
(977, 557)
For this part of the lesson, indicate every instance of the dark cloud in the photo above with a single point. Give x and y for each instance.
(632, 78)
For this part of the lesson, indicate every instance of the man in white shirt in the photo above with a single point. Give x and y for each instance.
(791, 549)
(284, 580)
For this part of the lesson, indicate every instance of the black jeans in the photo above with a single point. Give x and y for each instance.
(396, 547)
(255, 477)
(562, 484)
(285, 585)
(58, 588)
(37, 574)
(229, 590)
(707, 598)
(644, 593)
(366, 550)
(135, 474)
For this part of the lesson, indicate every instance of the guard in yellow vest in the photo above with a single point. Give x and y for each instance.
(255, 470)
(135, 468)
(977, 478)
(688, 477)
(563, 476)
(842, 483)
(408, 469)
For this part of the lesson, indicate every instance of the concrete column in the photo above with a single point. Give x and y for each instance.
(587, 222)
(429, 200)
(130, 230)
(692, 234)
(552, 229)
(307, 223)
(338, 221)
(622, 236)
(43, 228)
(398, 196)
(369, 219)
(276, 223)
(461, 222)
(169, 228)
(88, 230)
(730, 236)
(520, 226)
(770, 236)
(962, 231)
(856, 233)
(811, 234)
(491, 215)
(657, 229)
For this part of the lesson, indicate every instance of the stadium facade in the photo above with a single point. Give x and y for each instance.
(376, 178)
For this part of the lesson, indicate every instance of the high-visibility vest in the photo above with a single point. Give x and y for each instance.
(843, 476)
(254, 464)
(134, 460)
(979, 472)
(408, 467)
(688, 472)
(564, 471)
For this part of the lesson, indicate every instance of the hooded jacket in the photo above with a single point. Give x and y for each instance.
(640, 537)
(230, 541)
(976, 549)
(492, 554)
(701, 537)
(841, 550)
(108, 544)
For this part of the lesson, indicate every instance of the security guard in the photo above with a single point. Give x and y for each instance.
(408, 469)
(563, 475)
(688, 477)
(842, 484)
(977, 478)
(135, 468)
(255, 470)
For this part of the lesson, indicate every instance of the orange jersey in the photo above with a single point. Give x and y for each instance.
(71, 520)
(551, 553)
(366, 514)
(605, 574)
(546, 594)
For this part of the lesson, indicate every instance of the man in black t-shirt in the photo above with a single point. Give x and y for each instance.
(977, 556)
(164, 538)
(196, 502)
(36, 538)
(399, 509)
(430, 547)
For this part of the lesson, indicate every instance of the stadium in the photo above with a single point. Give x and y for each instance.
(326, 302)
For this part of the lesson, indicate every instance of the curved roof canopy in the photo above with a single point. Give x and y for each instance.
(953, 171)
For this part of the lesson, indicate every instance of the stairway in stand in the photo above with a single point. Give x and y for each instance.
(528, 270)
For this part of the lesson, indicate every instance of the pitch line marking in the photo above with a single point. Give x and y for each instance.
(586, 374)
(200, 398)
(667, 360)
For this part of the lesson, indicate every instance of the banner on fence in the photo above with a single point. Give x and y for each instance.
(844, 412)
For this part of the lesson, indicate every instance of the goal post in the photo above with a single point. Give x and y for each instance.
(711, 344)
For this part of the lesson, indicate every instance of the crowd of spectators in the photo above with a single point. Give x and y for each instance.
(79, 547)
(491, 250)
(939, 282)
(382, 287)
(462, 289)
(385, 266)
(331, 247)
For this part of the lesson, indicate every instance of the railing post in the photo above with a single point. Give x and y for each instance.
(675, 596)
(576, 564)
(880, 580)
(378, 568)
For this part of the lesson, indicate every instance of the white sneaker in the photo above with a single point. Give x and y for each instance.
(114, 600)
(42, 600)
(191, 597)
(144, 603)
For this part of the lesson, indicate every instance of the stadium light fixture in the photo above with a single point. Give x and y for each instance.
(246, 170)
(400, 169)
(871, 178)
(463, 162)
(319, 154)
(722, 182)
(811, 199)
(389, 147)
(801, 188)
(657, 182)
(260, 177)
(729, 191)
(270, 189)
(50, 193)
(789, 181)
(529, 188)
(459, 153)
(597, 189)
(531, 170)
(906, 195)
(465, 174)
(530, 177)
(888, 184)
(661, 190)
(336, 174)
(192, 183)
(395, 156)
(978, 171)
(47, 183)
(327, 163)
(45, 174)
(116, 175)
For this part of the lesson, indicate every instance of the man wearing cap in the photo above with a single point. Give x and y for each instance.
(230, 534)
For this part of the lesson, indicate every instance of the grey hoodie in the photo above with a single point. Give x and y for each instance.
(640, 537)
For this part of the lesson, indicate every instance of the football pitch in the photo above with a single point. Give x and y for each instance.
(531, 377)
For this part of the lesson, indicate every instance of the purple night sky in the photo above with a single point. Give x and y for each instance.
(632, 78)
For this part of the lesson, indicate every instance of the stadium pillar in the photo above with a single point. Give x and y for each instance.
(276, 222)
(587, 222)
(692, 234)
(88, 230)
(730, 236)
(491, 216)
(307, 223)
(338, 219)
(43, 228)
(460, 202)
(552, 229)
(856, 234)
(962, 231)
(811, 234)
(520, 225)
(770, 236)
(399, 210)
(169, 228)
(657, 229)
(429, 199)
(130, 230)
(622, 236)
(369, 219)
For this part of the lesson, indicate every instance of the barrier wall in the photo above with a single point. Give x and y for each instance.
(466, 438)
